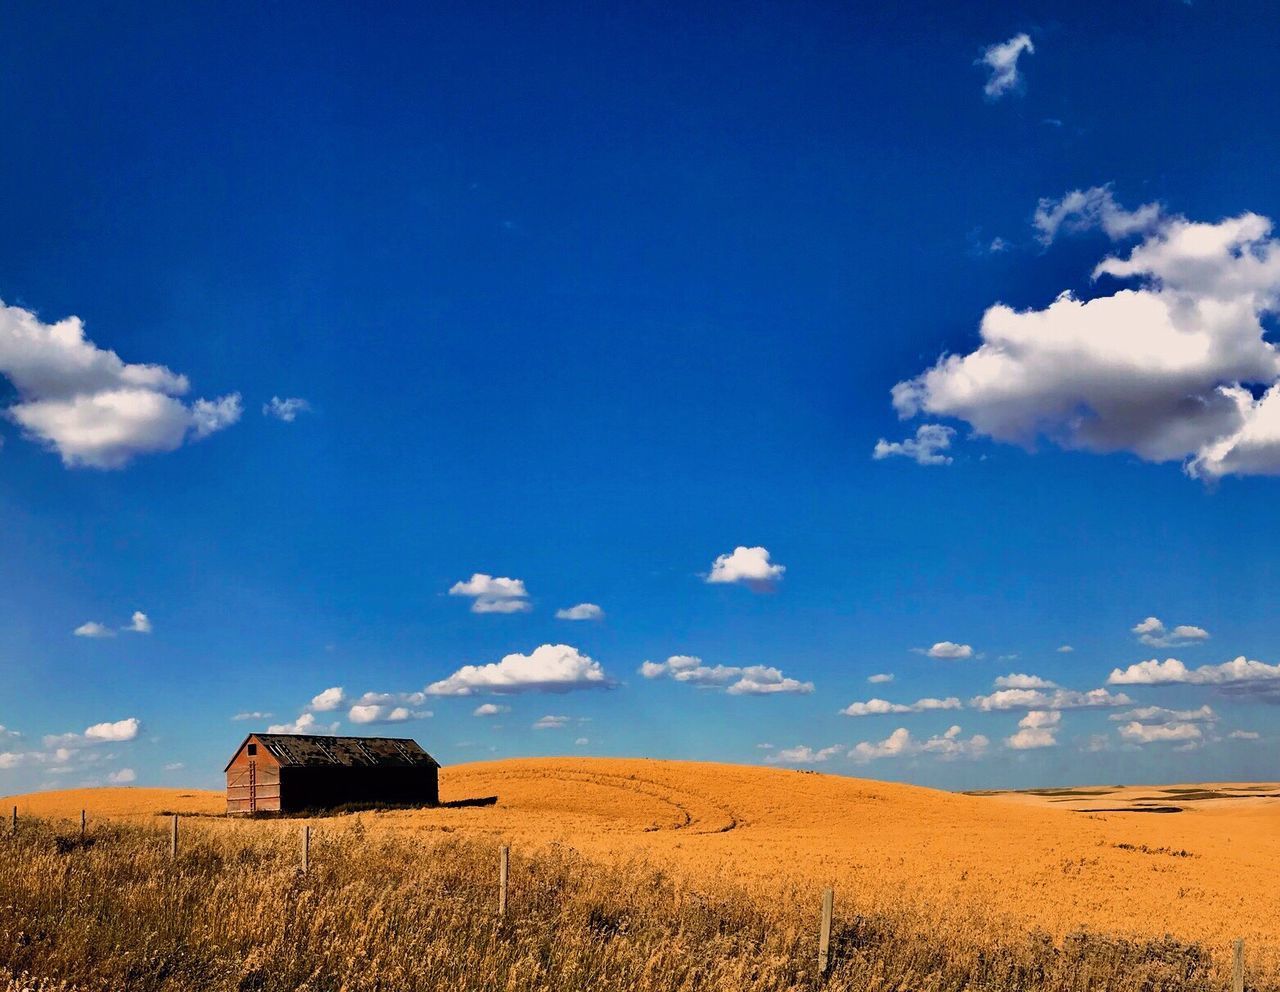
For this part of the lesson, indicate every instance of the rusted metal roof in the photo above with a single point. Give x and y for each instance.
(310, 751)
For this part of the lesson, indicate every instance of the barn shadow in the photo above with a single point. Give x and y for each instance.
(466, 803)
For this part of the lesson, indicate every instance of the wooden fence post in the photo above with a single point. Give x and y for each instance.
(503, 859)
(173, 838)
(824, 930)
(306, 848)
(14, 829)
(1237, 966)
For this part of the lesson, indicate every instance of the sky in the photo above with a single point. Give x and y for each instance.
(884, 390)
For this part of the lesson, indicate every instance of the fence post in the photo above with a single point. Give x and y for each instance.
(1237, 966)
(173, 838)
(306, 848)
(82, 824)
(824, 930)
(14, 829)
(503, 858)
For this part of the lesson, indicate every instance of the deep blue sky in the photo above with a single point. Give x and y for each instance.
(586, 297)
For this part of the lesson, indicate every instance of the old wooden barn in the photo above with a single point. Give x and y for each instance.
(290, 773)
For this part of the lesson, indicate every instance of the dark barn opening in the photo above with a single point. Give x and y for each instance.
(291, 773)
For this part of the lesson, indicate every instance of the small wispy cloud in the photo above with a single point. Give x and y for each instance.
(1002, 61)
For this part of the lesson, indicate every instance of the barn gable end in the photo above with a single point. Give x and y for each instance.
(296, 772)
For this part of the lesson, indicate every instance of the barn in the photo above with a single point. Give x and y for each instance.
(290, 773)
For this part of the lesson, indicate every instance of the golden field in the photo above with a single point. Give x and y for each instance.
(978, 875)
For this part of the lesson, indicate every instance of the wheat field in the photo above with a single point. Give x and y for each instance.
(933, 889)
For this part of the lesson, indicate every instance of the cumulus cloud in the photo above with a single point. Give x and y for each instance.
(748, 680)
(948, 650)
(1036, 730)
(1172, 671)
(490, 709)
(94, 629)
(384, 713)
(1002, 61)
(305, 724)
(139, 623)
(1040, 699)
(123, 777)
(328, 700)
(802, 755)
(91, 407)
(583, 611)
(900, 743)
(111, 732)
(1065, 649)
(1173, 367)
(875, 707)
(548, 668)
(926, 448)
(1140, 733)
(1015, 680)
(880, 678)
(550, 723)
(1158, 714)
(285, 409)
(493, 595)
(1152, 631)
(746, 565)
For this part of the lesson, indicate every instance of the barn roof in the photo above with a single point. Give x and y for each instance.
(312, 751)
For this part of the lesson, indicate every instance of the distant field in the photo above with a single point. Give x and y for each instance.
(1055, 860)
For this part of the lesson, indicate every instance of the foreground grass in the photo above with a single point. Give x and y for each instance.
(381, 911)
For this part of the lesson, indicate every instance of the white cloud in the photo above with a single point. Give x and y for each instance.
(490, 709)
(252, 715)
(90, 406)
(581, 742)
(1167, 369)
(285, 409)
(384, 713)
(1065, 649)
(1138, 733)
(583, 611)
(493, 595)
(900, 743)
(748, 680)
(746, 565)
(926, 448)
(99, 733)
(1172, 671)
(1002, 60)
(550, 723)
(93, 629)
(874, 707)
(1037, 729)
(174, 766)
(139, 623)
(1158, 714)
(949, 650)
(305, 724)
(880, 678)
(548, 668)
(328, 700)
(801, 755)
(1039, 699)
(1015, 680)
(1151, 631)
(1092, 209)
(1244, 735)
(122, 777)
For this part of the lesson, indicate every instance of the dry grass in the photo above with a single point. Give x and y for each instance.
(647, 875)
